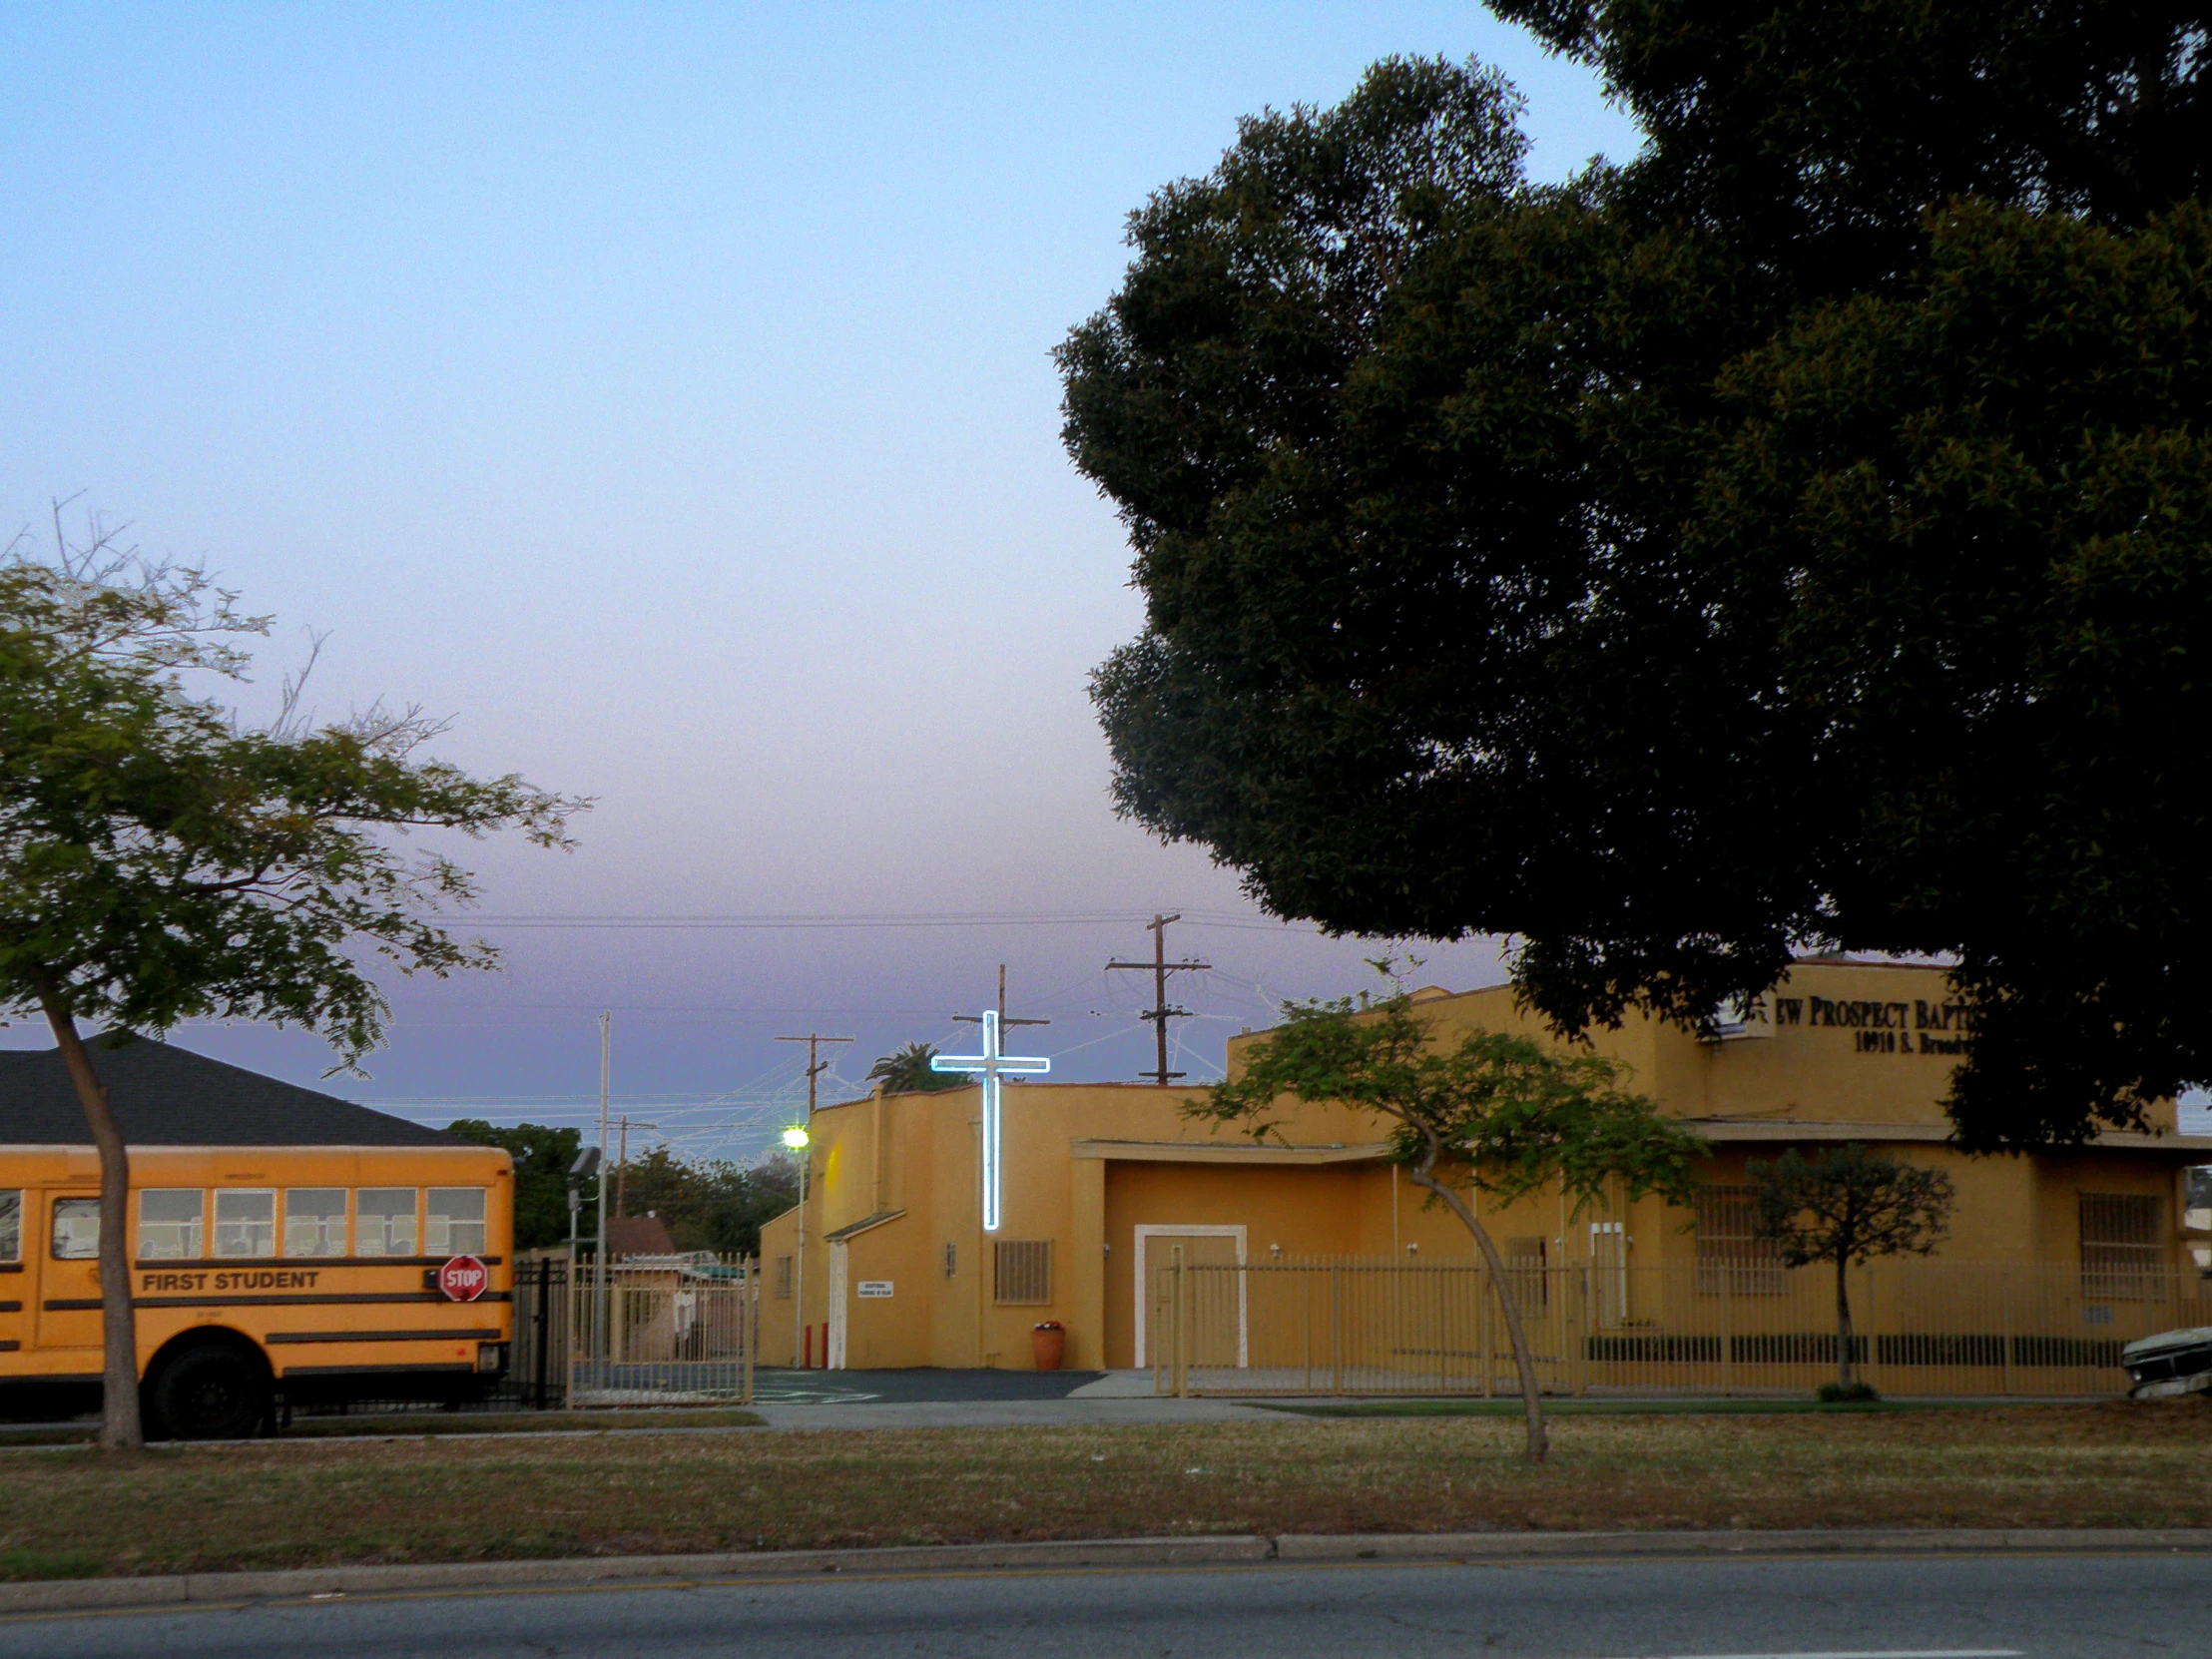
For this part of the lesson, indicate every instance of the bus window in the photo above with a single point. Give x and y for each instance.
(169, 1223)
(76, 1229)
(315, 1221)
(455, 1226)
(11, 1226)
(384, 1219)
(245, 1220)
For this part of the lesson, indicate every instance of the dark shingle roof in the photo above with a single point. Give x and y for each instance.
(166, 1096)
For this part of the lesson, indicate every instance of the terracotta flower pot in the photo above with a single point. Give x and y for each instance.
(1051, 1345)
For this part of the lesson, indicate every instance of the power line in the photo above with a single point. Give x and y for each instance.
(925, 918)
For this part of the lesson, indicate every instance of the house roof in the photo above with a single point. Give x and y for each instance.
(164, 1096)
(638, 1236)
(854, 1228)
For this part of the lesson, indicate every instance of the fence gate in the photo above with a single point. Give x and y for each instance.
(664, 1330)
(537, 1366)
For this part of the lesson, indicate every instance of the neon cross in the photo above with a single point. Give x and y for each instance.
(988, 1067)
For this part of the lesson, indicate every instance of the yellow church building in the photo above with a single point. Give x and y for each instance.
(2053, 1258)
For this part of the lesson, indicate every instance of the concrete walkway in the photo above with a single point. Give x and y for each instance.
(1118, 1384)
(1075, 1410)
(978, 1400)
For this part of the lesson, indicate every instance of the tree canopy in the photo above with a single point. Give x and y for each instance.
(906, 1070)
(160, 860)
(1799, 535)
(713, 1204)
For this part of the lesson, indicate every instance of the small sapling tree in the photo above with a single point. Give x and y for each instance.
(1499, 1114)
(160, 862)
(1848, 1207)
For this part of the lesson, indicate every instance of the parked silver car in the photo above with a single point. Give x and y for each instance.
(2171, 1363)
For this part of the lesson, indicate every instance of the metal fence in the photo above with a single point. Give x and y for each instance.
(1392, 1326)
(662, 1331)
(537, 1365)
(537, 1361)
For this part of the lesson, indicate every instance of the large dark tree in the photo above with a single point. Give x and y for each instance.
(1800, 534)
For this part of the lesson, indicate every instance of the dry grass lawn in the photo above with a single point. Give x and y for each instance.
(292, 1503)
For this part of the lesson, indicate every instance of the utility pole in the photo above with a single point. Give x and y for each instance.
(815, 1066)
(1160, 1012)
(606, 1047)
(1003, 1021)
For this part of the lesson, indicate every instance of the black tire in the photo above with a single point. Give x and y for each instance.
(210, 1392)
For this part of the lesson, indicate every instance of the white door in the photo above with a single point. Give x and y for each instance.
(1609, 1270)
(835, 1359)
(1203, 1246)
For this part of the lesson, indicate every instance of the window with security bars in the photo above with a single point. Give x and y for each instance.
(2124, 1245)
(1024, 1272)
(1731, 1256)
(783, 1278)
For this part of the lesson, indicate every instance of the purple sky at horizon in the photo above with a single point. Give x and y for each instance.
(664, 392)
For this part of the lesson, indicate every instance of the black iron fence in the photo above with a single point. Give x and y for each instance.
(537, 1361)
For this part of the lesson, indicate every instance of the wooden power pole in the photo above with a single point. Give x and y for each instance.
(1003, 1020)
(1161, 1011)
(815, 1066)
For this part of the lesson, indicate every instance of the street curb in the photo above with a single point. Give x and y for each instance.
(58, 1595)
(1400, 1546)
(307, 1583)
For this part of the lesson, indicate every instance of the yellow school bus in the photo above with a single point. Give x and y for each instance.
(304, 1251)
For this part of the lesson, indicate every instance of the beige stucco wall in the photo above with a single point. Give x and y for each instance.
(1085, 1165)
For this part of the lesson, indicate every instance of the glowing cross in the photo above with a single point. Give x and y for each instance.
(988, 1067)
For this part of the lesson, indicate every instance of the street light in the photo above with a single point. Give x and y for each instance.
(797, 1138)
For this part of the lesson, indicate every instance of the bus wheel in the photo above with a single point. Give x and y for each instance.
(210, 1392)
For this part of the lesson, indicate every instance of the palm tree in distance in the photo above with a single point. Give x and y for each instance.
(906, 1071)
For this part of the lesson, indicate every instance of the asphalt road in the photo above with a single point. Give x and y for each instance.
(2048, 1607)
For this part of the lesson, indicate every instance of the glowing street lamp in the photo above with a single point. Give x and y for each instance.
(797, 1138)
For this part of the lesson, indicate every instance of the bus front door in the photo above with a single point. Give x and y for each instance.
(67, 1247)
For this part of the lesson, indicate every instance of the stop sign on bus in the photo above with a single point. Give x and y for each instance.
(463, 1279)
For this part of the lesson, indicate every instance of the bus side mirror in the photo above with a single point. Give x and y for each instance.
(585, 1167)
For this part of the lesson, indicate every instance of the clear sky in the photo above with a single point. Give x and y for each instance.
(664, 394)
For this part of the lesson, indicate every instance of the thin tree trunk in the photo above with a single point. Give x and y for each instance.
(1539, 1444)
(120, 1426)
(1842, 1321)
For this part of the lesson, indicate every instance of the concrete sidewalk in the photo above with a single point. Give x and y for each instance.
(1115, 1398)
(1075, 1410)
